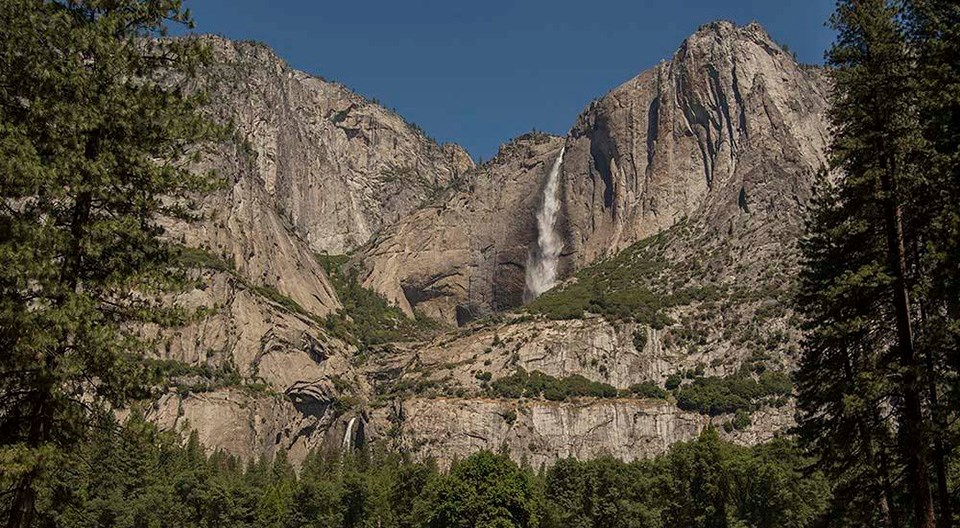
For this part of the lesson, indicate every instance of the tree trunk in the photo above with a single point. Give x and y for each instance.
(945, 520)
(24, 501)
(945, 517)
(882, 481)
(23, 506)
(887, 487)
(876, 465)
(914, 438)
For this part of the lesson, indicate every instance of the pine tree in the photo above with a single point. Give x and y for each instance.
(94, 150)
(934, 35)
(861, 278)
(842, 381)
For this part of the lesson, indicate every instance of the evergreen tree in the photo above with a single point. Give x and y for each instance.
(934, 35)
(879, 328)
(483, 491)
(93, 152)
(843, 380)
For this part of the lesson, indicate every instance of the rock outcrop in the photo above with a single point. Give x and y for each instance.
(313, 167)
(731, 128)
(544, 432)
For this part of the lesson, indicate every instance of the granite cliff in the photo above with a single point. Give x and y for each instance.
(681, 194)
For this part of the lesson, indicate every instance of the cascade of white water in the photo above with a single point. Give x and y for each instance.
(347, 436)
(543, 259)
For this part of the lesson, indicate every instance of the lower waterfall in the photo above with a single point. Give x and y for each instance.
(347, 443)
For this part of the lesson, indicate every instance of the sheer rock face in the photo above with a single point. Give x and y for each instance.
(292, 372)
(337, 166)
(466, 254)
(313, 168)
(242, 424)
(541, 433)
(731, 127)
(593, 347)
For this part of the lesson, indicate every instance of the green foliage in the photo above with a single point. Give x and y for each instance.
(484, 490)
(202, 259)
(640, 339)
(673, 382)
(741, 420)
(716, 395)
(137, 476)
(632, 286)
(726, 485)
(536, 384)
(879, 283)
(614, 287)
(367, 318)
(97, 134)
(169, 374)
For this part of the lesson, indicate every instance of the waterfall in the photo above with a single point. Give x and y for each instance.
(543, 259)
(347, 436)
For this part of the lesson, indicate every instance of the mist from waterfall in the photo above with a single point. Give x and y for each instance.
(543, 259)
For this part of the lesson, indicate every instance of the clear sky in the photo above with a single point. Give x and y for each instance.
(481, 72)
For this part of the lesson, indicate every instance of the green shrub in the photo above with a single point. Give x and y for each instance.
(717, 395)
(190, 378)
(741, 420)
(629, 286)
(367, 318)
(673, 382)
(200, 258)
(640, 338)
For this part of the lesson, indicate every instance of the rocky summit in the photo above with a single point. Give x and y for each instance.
(362, 284)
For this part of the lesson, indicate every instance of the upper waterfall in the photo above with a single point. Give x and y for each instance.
(541, 273)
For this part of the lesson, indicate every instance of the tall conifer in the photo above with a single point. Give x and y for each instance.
(93, 152)
(860, 280)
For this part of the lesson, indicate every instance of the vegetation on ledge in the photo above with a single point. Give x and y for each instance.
(741, 393)
(623, 288)
(536, 384)
(186, 378)
(723, 395)
(367, 318)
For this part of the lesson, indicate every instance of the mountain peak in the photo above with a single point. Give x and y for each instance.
(722, 37)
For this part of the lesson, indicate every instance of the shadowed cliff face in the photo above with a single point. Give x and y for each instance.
(466, 254)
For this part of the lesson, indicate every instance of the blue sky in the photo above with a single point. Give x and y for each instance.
(479, 73)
